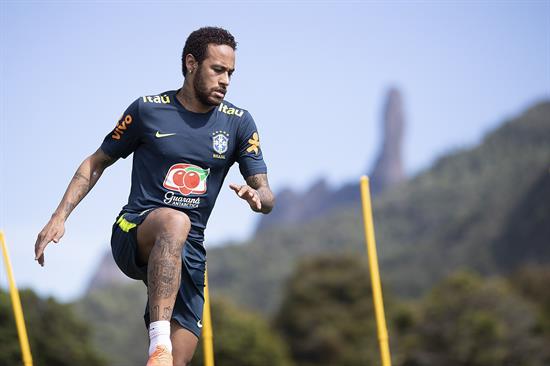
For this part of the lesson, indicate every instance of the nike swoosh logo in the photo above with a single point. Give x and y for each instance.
(199, 324)
(159, 135)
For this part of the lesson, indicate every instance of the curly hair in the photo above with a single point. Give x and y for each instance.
(197, 43)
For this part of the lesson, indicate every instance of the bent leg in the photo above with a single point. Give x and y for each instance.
(160, 238)
(184, 344)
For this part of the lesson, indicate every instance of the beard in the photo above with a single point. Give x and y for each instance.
(203, 94)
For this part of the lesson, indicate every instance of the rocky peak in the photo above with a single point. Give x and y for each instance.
(388, 168)
(319, 199)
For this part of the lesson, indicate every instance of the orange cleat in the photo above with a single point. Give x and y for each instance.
(161, 357)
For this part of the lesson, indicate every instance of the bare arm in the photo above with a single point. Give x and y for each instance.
(256, 192)
(84, 179)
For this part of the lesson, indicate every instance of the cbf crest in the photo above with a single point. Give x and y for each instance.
(220, 142)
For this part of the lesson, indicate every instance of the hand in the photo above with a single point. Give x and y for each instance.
(248, 194)
(53, 231)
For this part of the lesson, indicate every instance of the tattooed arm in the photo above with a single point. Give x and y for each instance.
(84, 179)
(256, 192)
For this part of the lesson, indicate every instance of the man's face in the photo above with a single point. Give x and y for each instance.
(213, 74)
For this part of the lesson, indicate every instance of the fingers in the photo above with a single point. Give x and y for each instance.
(235, 187)
(243, 190)
(57, 237)
(42, 241)
(253, 198)
(41, 260)
(249, 194)
(257, 202)
(239, 189)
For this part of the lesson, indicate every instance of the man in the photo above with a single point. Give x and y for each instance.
(184, 143)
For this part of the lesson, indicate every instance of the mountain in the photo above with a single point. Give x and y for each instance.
(107, 274)
(485, 208)
(319, 200)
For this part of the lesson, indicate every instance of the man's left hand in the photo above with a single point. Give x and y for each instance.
(248, 194)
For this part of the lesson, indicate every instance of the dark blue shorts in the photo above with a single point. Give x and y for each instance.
(190, 298)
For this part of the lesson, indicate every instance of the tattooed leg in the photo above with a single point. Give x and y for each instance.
(163, 276)
(161, 238)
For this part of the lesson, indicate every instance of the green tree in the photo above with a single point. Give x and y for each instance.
(56, 336)
(468, 321)
(532, 283)
(327, 315)
(243, 339)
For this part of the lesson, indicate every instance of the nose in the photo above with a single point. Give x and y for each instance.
(224, 80)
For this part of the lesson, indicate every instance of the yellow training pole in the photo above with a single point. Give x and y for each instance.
(207, 335)
(374, 273)
(17, 310)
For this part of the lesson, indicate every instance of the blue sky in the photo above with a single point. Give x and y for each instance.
(313, 74)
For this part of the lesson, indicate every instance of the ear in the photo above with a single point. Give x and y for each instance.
(190, 62)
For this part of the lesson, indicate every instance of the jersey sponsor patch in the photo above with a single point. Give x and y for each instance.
(122, 126)
(231, 111)
(164, 99)
(187, 179)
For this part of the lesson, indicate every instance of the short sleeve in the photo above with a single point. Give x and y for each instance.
(250, 156)
(124, 138)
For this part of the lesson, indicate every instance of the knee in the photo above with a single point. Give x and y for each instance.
(173, 221)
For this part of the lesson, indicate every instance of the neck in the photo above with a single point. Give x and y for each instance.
(186, 96)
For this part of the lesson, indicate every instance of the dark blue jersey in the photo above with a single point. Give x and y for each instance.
(181, 158)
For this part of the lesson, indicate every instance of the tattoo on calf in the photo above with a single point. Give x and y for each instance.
(167, 313)
(169, 245)
(154, 313)
(164, 277)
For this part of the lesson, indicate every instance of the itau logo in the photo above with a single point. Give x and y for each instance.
(187, 179)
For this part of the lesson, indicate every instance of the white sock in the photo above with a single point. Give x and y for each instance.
(159, 333)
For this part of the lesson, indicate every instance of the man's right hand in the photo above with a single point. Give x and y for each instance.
(53, 231)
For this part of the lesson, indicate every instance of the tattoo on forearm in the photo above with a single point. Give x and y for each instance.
(68, 208)
(83, 181)
(261, 185)
(253, 181)
(257, 181)
(82, 186)
(79, 175)
(106, 161)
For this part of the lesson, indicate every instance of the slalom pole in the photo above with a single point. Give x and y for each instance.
(207, 334)
(17, 309)
(374, 273)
